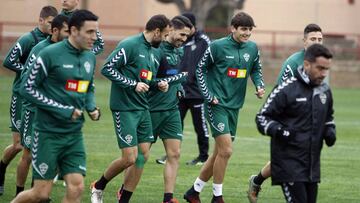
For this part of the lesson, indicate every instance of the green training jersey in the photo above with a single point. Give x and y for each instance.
(224, 69)
(290, 66)
(98, 47)
(60, 80)
(133, 60)
(18, 54)
(169, 68)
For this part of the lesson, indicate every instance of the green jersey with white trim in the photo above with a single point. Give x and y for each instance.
(60, 80)
(224, 69)
(290, 66)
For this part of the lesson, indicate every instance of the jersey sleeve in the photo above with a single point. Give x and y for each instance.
(201, 71)
(256, 72)
(99, 44)
(12, 59)
(266, 118)
(117, 59)
(37, 73)
(90, 103)
(287, 71)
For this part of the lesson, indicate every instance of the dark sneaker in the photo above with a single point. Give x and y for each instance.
(161, 160)
(173, 200)
(218, 199)
(196, 162)
(192, 196)
(253, 190)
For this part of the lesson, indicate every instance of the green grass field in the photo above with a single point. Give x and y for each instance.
(340, 164)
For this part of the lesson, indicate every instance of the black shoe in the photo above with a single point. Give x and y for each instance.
(192, 196)
(196, 162)
(218, 199)
(161, 160)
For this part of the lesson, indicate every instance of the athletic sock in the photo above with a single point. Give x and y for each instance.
(2, 172)
(125, 196)
(101, 184)
(259, 179)
(199, 185)
(167, 197)
(19, 189)
(217, 190)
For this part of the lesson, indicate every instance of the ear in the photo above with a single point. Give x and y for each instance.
(233, 29)
(307, 65)
(73, 29)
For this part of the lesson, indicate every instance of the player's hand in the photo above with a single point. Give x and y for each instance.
(330, 135)
(214, 101)
(163, 86)
(284, 134)
(141, 87)
(76, 114)
(260, 92)
(95, 115)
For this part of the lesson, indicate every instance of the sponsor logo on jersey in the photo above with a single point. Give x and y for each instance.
(77, 85)
(68, 66)
(323, 98)
(236, 73)
(246, 57)
(142, 56)
(229, 57)
(145, 74)
(43, 168)
(87, 66)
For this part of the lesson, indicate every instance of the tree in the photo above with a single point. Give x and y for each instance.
(201, 8)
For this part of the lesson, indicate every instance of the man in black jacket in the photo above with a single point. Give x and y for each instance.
(191, 97)
(298, 116)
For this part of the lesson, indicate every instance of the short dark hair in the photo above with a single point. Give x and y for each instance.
(317, 50)
(157, 21)
(179, 22)
(47, 11)
(242, 19)
(311, 28)
(79, 17)
(191, 17)
(58, 21)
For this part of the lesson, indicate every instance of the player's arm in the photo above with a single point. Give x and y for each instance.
(117, 59)
(34, 78)
(267, 118)
(99, 44)
(90, 105)
(200, 72)
(257, 77)
(329, 134)
(174, 79)
(287, 71)
(12, 59)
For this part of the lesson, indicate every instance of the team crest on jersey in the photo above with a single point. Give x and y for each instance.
(128, 138)
(221, 127)
(28, 140)
(323, 98)
(18, 124)
(193, 47)
(43, 168)
(87, 66)
(246, 57)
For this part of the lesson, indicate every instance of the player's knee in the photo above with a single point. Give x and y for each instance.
(76, 189)
(225, 153)
(173, 154)
(141, 160)
(17, 147)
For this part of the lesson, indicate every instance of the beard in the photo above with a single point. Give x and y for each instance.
(155, 44)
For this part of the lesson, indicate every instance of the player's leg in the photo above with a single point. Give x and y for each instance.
(74, 187)
(133, 173)
(312, 190)
(202, 132)
(12, 150)
(40, 192)
(255, 182)
(294, 192)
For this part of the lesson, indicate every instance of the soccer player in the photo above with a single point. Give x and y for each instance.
(60, 84)
(194, 49)
(222, 75)
(59, 31)
(312, 35)
(164, 111)
(130, 68)
(298, 116)
(15, 61)
(68, 8)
